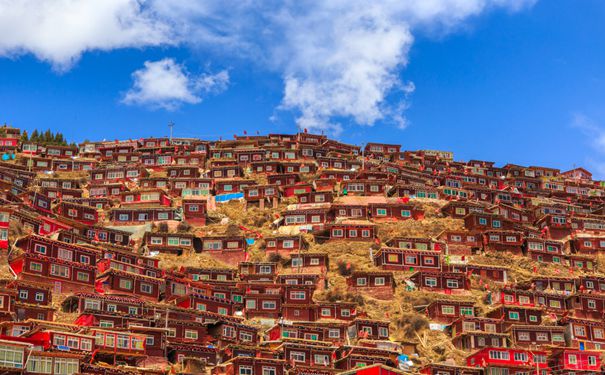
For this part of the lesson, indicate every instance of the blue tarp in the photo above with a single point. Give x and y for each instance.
(228, 197)
(250, 241)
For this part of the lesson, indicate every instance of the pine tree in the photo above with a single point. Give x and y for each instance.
(35, 136)
(48, 137)
(24, 136)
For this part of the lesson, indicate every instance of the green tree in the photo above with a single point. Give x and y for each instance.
(24, 136)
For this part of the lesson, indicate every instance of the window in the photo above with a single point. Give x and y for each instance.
(269, 370)
(245, 370)
(542, 336)
(521, 357)
(298, 295)
(513, 315)
(572, 359)
(379, 281)
(40, 365)
(83, 276)
(592, 304)
(146, 288)
(431, 282)
(381, 212)
(126, 284)
(23, 294)
(297, 356)
(59, 270)
(269, 305)
(523, 336)
(191, 334)
(361, 281)
(245, 336)
(580, 331)
(41, 249)
(467, 311)
(448, 310)
(452, 284)
(495, 354)
(90, 304)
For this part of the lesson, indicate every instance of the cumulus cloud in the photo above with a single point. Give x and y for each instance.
(59, 31)
(340, 60)
(166, 84)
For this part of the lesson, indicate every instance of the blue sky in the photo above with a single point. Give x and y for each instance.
(503, 80)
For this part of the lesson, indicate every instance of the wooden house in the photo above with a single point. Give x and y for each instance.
(537, 337)
(396, 259)
(81, 213)
(545, 251)
(503, 241)
(194, 210)
(141, 215)
(508, 360)
(363, 187)
(445, 282)
(446, 311)
(512, 314)
(114, 281)
(369, 329)
(175, 243)
(574, 361)
(484, 221)
(352, 230)
(379, 284)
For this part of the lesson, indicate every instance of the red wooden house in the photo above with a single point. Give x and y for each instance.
(141, 215)
(390, 258)
(363, 187)
(114, 281)
(574, 361)
(503, 241)
(206, 303)
(81, 213)
(508, 360)
(545, 251)
(352, 230)
(369, 329)
(584, 334)
(379, 284)
(445, 282)
(537, 337)
(194, 210)
(446, 311)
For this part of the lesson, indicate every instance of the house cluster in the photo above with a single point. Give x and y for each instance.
(84, 229)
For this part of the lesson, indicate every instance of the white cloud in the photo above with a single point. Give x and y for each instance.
(59, 31)
(340, 59)
(166, 84)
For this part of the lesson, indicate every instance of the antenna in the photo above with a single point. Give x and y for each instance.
(171, 125)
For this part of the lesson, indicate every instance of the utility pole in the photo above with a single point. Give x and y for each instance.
(171, 125)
